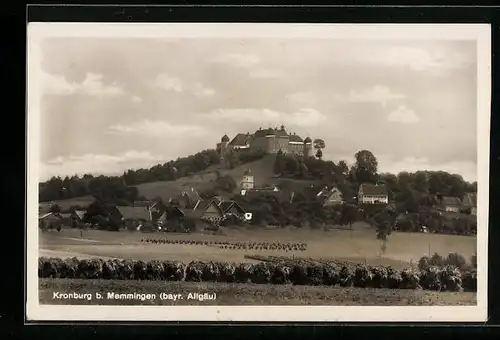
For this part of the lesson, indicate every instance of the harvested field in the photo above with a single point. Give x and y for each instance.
(359, 245)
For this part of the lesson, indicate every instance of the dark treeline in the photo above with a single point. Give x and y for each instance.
(410, 192)
(120, 190)
(303, 212)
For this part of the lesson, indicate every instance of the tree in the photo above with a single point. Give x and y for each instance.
(366, 166)
(349, 215)
(343, 168)
(319, 154)
(55, 208)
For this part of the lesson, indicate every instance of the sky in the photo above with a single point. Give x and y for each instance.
(113, 104)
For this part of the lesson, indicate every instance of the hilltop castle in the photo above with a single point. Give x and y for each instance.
(269, 140)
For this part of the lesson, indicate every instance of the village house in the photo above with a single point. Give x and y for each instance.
(469, 202)
(451, 204)
(231, 208)
(373, 194)
(134, 217)
(50, 221)
(210, 210)
(330, 196)
(187, 199)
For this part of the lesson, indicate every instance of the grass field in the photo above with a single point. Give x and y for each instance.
(359, 244)
(247, 294)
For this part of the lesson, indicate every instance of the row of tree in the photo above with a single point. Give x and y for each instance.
(408, 191)
(301, 212)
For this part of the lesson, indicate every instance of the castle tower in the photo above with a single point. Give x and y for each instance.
(308, 147)
(224, 141)
(247, 182)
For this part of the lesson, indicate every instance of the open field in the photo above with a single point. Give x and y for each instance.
(248, 294)
(357, 245)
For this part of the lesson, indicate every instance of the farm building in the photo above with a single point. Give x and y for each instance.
(187, 199)
(373, 194)
(50, 221)
(157, 209)
(330, 197)
(469, 202)
(232, 208)
(78, 215)
(209, 210)
(451, 204)
(134, 214)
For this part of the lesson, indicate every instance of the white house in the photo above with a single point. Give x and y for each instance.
(373, 194)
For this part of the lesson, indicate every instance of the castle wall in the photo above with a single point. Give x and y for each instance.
(262, 143)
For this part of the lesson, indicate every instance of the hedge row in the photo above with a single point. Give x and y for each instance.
(298, 272)
(235, 245)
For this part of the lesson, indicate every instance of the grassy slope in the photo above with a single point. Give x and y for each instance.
(249, 294)
(261, 169)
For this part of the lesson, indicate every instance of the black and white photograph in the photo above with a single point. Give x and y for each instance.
(257, 172)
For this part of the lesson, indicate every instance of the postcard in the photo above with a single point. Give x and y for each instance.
(257, 172)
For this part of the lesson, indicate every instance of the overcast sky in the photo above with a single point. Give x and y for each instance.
(113, 104)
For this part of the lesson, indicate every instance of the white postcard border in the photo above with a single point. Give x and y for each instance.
(39, 31)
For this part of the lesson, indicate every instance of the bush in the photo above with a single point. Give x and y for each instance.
(473, 261)
(457, 260)
(275, 270)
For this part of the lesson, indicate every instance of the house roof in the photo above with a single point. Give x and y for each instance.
(134, 213)
(241, 139)
(80, 214)
(65, 215)
(43, 216)
(142, 203)
(470, 199)
(373, 189)
(202, 205)
(451, 201)
(225, 138)
(226, 205)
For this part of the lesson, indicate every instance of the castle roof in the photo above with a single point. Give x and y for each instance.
(224, 138)
(241, 139)
(264, 133)
(295, 138)
(307, 140)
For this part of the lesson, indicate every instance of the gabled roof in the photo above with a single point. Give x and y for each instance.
(373, 189)
(227, 205)
(44, 216)
(79, 213)
(65, 215)
(241, 139)
(470, 199)
(451, 201)
(202, 205)
(134, 213)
